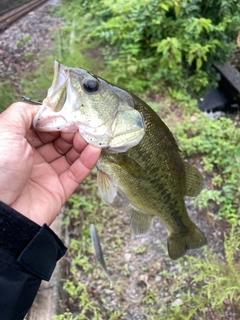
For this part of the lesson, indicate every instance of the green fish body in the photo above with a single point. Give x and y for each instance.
(155, 179)
(140, 156)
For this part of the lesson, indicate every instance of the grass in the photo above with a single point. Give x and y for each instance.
(214, 281)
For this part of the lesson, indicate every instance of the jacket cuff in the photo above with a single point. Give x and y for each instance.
(36, 248)
(42, 253)
(16, 230)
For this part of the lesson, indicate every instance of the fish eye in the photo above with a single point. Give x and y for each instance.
(90, 85)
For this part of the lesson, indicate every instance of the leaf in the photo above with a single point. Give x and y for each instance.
(176, 8)
(163, 6)
(199, 63)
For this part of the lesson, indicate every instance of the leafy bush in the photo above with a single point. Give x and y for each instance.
(152, 40)
(217, 143)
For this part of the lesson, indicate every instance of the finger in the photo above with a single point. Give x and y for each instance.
(68, 136)
(79, 170)
(59, 147)
(79, 143)
(48, 152)
(46, 137)
(60, 165)
(34, 139)
(62, 146)
(72, 155)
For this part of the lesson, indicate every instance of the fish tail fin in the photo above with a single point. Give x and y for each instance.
(179, 243)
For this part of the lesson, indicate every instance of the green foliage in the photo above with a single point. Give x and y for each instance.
(175, 42)
(7, 94)
(141, 249)
(217, 142)
(213, 282)
(26, 39)
(64, 316)
(218, 279)
(19, 44)
(24, 42)
(28, 56)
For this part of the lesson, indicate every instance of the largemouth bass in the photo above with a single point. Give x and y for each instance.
(139, 158)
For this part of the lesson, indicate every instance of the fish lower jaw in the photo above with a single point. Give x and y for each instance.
(100, 142)
(53, 124)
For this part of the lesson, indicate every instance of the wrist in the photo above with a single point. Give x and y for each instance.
(38, 214)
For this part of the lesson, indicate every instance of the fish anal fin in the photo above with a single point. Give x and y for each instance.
(194, 180)
(140, 222)
(179, 243)
(107, 188)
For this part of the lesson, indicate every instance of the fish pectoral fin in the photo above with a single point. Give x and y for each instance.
(107, 188)
(179, 243)
(194, 180)
(130, 166)
(140, 222)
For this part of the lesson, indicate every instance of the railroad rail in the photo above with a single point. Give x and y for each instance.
(11, 16)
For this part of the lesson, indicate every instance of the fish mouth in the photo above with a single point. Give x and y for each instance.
(45, 120)
(54, 113)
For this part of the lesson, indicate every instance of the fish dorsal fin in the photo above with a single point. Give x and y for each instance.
(107, 188)
(194, 180)
(140, 222)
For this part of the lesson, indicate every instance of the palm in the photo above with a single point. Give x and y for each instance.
(43, 189)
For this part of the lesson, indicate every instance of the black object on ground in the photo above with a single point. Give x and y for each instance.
(226, 97)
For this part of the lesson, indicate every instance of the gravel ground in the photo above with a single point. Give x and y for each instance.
(24, 41)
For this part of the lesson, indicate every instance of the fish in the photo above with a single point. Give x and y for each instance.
(140, 157)
(98, 251)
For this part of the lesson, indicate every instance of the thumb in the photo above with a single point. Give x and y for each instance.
(18, 118)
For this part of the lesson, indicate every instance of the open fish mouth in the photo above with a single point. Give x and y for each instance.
(55, 113)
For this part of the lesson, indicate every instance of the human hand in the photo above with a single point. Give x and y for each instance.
(39, 170)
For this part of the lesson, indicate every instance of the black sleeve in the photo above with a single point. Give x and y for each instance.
(28, 254)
